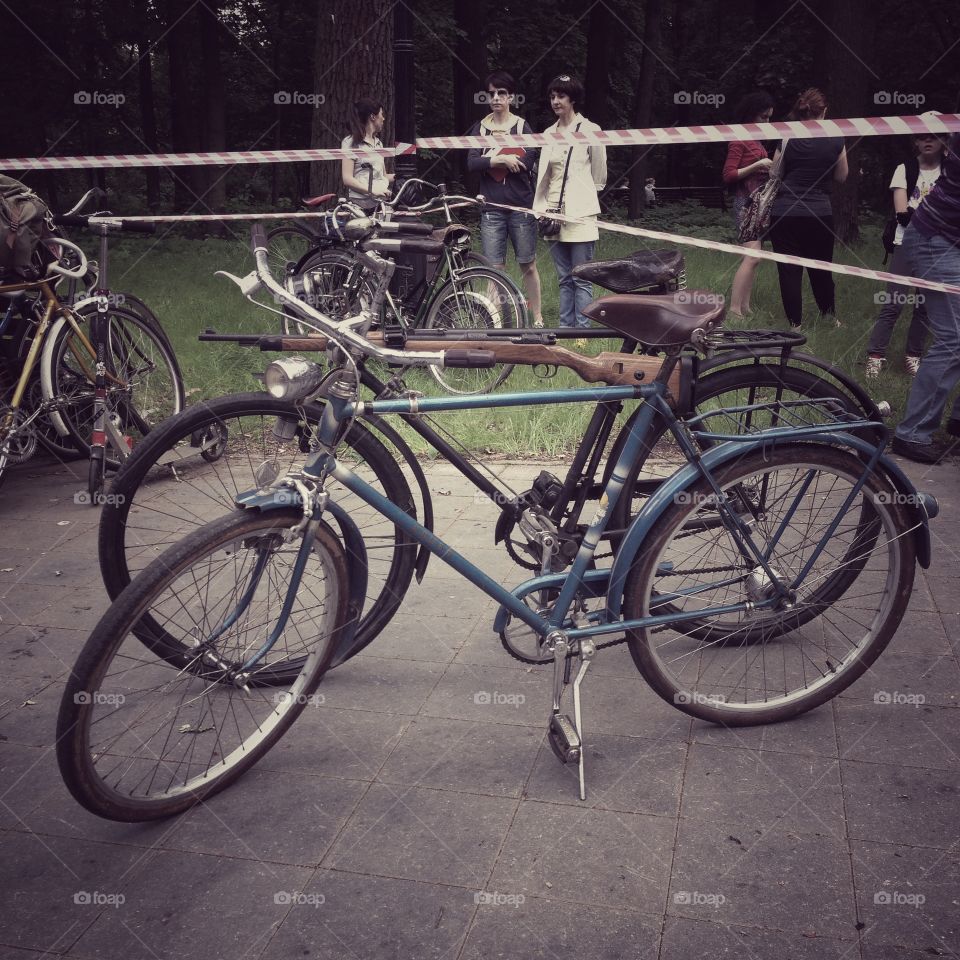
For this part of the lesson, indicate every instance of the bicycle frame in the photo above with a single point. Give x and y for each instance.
(340, 410)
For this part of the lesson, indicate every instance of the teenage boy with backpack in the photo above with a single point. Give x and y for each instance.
(505, 177)
(911, 183)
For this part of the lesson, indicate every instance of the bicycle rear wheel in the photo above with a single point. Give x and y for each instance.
(144, 383)
(147, 730)
(287, 246)
(190, 469)
(477, 298)
(767, 664)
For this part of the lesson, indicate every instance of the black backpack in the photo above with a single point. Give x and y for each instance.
(890, 228)
(25, 221)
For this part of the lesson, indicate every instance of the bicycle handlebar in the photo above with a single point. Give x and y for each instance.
(339, 332)
(77, 273)
(94, 221)
(94, 193)
(258, 239)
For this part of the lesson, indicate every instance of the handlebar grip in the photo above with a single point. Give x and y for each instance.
(469, 358)
(414, 229)
(71, 220)
(258, 238)
(138, 227)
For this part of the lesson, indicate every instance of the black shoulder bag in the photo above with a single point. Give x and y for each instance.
(547, 227)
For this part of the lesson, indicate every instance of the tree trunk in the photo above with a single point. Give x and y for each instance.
(214, 137)
(277, 169)
(848, 50)
(148, 115)
(183, 86)
(470, 69)
(353, 58)
(597, 73)
(643, 101)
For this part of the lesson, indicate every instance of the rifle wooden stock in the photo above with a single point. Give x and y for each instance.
(621, 369)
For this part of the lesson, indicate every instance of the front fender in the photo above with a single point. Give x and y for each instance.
(354, 547)
(920, 506)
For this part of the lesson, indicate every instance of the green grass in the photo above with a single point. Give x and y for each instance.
(176, 278)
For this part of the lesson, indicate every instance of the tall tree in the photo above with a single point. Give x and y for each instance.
(214, 135)
(597, 75)
(184, 138)
(353, 58)
(643, 99)
(148, 114)
(849, 80)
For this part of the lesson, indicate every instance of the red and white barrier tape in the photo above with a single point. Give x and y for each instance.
(716, 133)
(196, 159)
(842, 268)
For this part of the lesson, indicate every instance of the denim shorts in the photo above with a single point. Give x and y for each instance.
(496, 225)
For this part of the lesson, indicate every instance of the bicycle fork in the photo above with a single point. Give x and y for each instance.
(105, 423)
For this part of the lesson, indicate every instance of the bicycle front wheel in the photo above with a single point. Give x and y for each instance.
(477, 298)
(147, 731)
(771, 663)
(144, 381)
(190, 469)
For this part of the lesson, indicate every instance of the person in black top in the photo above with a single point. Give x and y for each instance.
(801, 220)
(505, 177)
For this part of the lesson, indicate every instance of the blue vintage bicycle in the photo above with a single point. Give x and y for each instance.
(757, 582)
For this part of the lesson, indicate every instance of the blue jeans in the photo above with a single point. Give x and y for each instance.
(933, 258)
(574, 294)
(497, 225)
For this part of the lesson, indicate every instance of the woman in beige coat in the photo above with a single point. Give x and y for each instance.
(569, 178)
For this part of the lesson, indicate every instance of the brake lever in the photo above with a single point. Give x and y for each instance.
(248, 285)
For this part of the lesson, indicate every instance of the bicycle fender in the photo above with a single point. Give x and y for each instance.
(410, 459)
(727, 358)
(715, 458)
(357, 567)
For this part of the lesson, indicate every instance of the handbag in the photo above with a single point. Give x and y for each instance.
(756, 212)
(547, 227)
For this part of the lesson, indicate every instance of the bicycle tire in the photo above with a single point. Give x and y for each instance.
(168, 485)
(729, 386)
(287, 245)
(713, 681)
(109, 759)
(479, 297)
(136, 355)
(325, 274)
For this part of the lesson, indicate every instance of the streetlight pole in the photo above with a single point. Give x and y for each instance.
(405, 126)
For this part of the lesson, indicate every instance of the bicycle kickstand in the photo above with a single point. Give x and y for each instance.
(566, 737)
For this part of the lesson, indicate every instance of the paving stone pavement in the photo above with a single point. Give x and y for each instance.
(407, 818)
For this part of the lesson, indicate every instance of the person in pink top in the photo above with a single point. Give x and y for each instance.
(746, 169)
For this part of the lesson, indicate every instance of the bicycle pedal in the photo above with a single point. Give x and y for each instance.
(564, 740)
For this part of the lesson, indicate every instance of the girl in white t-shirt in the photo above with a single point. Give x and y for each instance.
(906, 198)
(364, 174)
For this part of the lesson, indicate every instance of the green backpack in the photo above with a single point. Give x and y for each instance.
(25, 221)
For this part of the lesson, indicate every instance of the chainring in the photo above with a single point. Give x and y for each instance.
(21, 441)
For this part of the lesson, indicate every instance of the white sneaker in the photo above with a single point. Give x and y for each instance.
(874, 366)
(912, 365)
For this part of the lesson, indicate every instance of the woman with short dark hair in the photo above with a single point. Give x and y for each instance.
(570, 178)
(802, 216)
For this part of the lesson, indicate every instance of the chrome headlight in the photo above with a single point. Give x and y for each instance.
(292, 378)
